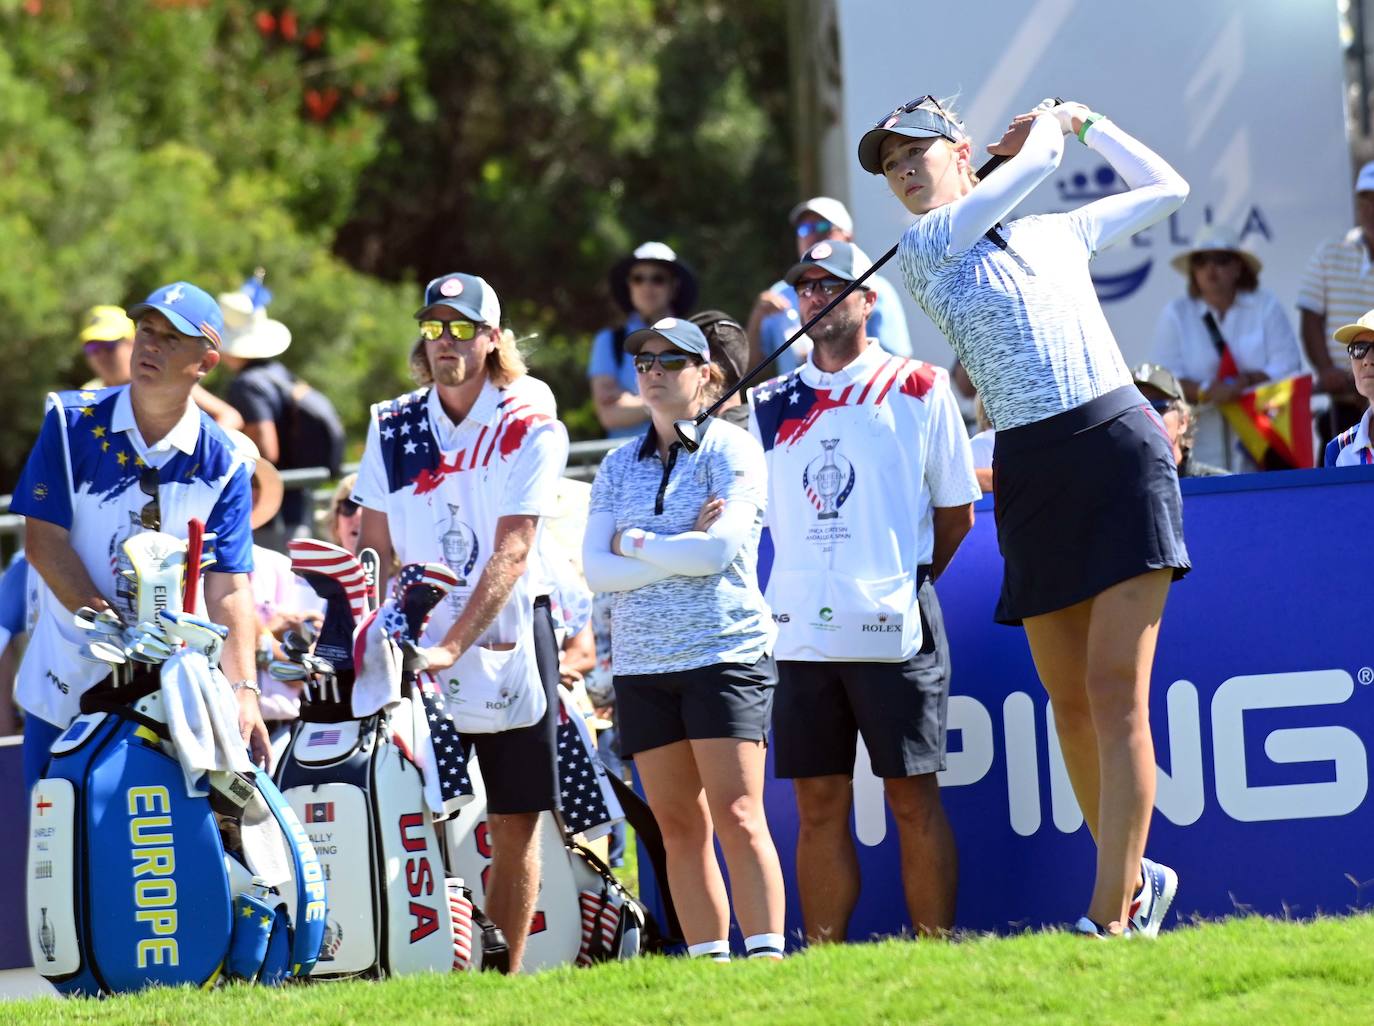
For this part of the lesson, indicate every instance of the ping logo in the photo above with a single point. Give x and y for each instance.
(155, 892)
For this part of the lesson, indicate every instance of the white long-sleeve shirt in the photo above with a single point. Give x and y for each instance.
(1025, 320)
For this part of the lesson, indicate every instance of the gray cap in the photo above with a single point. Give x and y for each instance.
(912, 121)
(1159, 378)
(682, 335)
(842, 259)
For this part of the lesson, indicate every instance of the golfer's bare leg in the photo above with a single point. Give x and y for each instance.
(678, 801)
(827, 865)
(513, 885)
(732, 774)
(1059, 646)
(930, 860)
(1121, 651)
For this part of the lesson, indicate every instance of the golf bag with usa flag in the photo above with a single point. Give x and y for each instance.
(374, 762)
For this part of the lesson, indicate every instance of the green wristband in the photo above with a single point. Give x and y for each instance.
(1087, 123)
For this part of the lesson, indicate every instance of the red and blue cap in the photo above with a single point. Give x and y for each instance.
(192, 310)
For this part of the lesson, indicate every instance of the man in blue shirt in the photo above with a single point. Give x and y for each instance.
(83, 496)
(774, 317)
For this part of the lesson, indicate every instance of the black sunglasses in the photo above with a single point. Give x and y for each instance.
(151, 514)
(914, 105)
(346, 508)
(670, 362)
(1162, 406)
(1359, 350)
(1220, 257)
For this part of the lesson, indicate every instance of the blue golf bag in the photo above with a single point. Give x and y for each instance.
(133, 883)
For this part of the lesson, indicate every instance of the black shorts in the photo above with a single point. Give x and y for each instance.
(1084, 500)
(900, 709)
(520, 767)
(720, 700)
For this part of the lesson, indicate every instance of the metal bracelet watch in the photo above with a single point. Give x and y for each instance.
(249, 685)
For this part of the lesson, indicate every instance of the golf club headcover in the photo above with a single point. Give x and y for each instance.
(157, 564)
(336, 576)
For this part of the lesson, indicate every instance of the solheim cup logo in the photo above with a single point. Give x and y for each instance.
(828, 485)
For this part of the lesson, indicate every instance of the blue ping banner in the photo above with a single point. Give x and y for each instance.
(1262, 708)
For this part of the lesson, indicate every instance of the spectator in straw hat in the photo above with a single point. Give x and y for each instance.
(649, 284)
(1224, 311)
(292, 425)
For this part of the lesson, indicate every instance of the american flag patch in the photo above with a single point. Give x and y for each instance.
(319, 738)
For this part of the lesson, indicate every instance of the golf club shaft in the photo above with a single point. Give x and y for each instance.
(758, 368)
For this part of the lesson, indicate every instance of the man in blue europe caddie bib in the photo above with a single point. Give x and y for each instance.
(102, 457)
(460, 472)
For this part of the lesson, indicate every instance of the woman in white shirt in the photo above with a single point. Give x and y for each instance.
(1089, 517)
(1223, 283)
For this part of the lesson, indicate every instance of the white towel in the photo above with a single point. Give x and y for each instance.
(377, 662)
(202, 718)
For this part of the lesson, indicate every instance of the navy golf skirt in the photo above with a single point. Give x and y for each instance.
(1084, 500)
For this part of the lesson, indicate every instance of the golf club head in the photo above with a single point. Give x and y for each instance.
(419, 588)
(201, 635)
(87, 618)
(316, 665)
(104, 652)
(294, 645)
(688, 433)
(280, 669)
(149, 650)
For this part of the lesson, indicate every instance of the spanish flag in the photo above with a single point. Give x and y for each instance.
(1274, 423)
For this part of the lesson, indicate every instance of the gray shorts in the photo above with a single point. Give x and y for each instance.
(900, 709)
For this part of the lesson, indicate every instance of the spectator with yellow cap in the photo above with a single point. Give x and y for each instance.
(1353, 446)
(107, 339)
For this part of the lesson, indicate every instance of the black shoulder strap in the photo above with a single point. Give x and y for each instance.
(641, 817)
(1215, 332)
(996, 237)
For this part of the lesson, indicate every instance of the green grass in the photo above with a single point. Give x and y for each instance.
(1257, 972)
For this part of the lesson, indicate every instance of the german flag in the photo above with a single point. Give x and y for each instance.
(1274, 423)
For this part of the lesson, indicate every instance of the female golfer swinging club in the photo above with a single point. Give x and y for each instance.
(1089, 518)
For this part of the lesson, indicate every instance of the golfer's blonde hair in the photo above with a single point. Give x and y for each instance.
(504, 363)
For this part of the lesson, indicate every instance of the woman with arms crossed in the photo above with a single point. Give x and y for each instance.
(673, 535)
(1089, 517)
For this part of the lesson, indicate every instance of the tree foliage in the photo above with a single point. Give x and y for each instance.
(355, 149)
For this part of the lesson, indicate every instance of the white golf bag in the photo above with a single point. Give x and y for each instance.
(366, 786)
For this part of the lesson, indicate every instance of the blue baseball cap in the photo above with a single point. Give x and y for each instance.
(191, 310)
(842, 259)
(681, 335)
(465, 294)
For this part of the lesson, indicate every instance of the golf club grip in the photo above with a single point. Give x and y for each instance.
(195, 544)
(992, 165)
